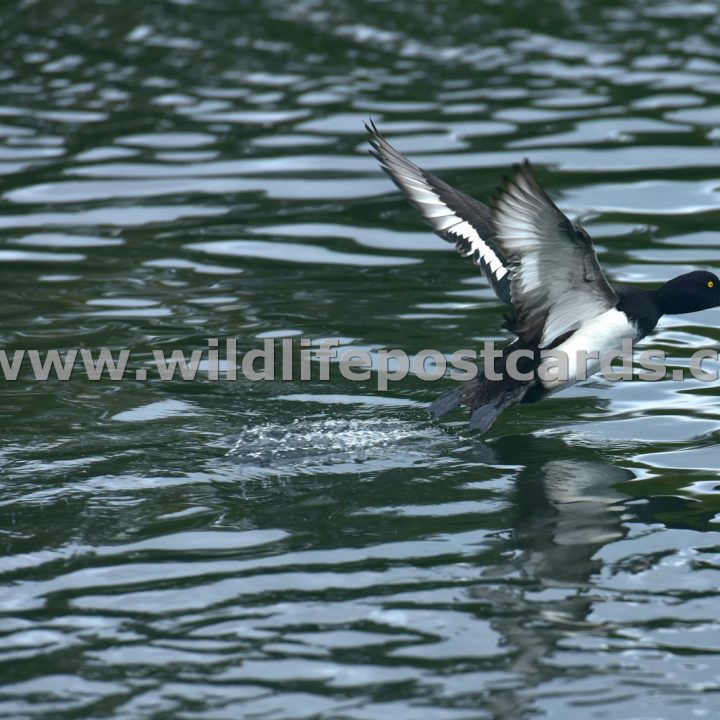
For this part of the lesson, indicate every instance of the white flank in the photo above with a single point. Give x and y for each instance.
(604, 333)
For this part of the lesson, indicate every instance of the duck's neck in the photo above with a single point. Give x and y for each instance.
(674, 298)
(664, 298)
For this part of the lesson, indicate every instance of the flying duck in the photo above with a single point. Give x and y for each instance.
(545, 268)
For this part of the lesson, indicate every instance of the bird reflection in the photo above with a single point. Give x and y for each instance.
(566, 510)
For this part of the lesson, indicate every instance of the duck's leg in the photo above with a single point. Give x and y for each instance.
(486, 398)
(485, 415)
(461, 395)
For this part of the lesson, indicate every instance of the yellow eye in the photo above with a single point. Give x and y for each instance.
(710, 283)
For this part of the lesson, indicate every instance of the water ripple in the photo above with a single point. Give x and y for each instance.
(320, 549)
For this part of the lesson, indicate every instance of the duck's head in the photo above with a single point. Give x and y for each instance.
(693, 291)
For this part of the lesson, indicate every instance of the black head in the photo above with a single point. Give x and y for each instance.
(687, 293)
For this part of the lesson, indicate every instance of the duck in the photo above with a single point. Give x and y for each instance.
(545, 268)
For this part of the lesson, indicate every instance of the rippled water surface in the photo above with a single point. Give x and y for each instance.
(177, 171)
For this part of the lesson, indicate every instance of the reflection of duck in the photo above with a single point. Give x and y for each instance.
(582, 512)
(545, 267)
(566, 511)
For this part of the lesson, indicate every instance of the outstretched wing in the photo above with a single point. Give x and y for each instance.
(453, 215)
(555, 280)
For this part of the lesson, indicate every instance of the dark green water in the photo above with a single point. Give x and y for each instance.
(177, 171)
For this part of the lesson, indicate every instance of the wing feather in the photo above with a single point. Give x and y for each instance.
(453, 215)
(556, 282)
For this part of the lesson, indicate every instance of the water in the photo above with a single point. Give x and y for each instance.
(173, 172)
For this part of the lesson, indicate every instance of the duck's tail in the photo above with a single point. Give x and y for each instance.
(486, 399)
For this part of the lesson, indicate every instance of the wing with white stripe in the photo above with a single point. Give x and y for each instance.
(555, 279)
(453, 215)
